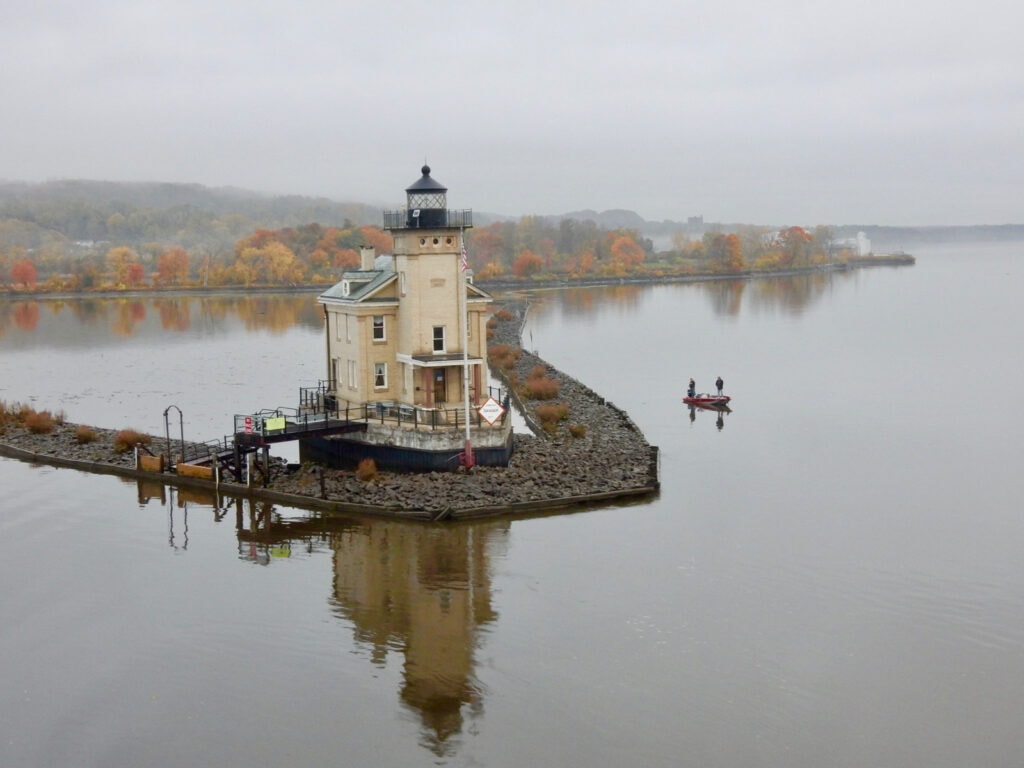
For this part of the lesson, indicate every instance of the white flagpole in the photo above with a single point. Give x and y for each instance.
(467, 457)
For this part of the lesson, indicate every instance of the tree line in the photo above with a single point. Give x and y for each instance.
(313, 254)
(63, 242)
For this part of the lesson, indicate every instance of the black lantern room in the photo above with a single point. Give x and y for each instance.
(426, 202)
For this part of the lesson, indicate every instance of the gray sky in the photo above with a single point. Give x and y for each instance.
(786, 112)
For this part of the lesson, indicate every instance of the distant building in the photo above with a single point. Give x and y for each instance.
(858, 246)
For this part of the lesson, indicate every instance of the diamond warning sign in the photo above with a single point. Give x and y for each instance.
(491, 411)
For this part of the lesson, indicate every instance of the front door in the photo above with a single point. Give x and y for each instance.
(440, 386)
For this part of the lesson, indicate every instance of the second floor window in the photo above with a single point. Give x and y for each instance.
(380, 375)
(439, 338)
(378, 328)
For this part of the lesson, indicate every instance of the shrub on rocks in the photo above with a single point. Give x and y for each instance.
(84, 434)
(503, 356)
(39, 422)
(127, 439)
(550, 415)
(539, 386)
(366, 470)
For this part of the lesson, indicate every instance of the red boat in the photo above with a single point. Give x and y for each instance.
(708, 401)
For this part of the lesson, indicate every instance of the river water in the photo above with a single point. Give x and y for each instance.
(829, 576)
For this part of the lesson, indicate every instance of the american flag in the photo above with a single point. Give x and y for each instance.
(464, 263)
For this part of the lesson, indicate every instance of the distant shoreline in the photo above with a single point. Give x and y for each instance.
(497, 286)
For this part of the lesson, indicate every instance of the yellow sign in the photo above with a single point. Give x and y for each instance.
(275, 424)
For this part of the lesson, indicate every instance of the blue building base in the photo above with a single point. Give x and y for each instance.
(344, 453)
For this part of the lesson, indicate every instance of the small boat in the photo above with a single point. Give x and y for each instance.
(708, 401)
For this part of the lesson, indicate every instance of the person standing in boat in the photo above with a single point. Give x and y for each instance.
(720, 384)
(692, 391)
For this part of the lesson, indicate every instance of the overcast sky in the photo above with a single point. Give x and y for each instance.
(786, 112)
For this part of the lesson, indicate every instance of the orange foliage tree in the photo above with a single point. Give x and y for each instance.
(727, 250)
(377, 238)
(119, 259)
(527, 263)
(135, 274)
(626, 252)
(23, 272)
(794, 243)
(172, 267)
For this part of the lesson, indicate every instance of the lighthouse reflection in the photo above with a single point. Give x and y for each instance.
(418, 590)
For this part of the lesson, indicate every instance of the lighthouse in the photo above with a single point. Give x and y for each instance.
(407, 338)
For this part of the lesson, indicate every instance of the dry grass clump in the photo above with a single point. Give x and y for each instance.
(550, 415)
(366, 470)
(503, 357)
(127, 439)
(84, 434)
(14, 413)
(39, 422)
(7, 415)
(538, 386)
(578, 430)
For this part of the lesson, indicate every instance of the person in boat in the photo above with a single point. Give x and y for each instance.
(692, 391)
(719, 384)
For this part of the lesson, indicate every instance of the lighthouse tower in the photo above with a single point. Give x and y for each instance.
(407, 341)
(433, 297)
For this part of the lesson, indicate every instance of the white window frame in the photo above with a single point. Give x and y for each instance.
(443, 339)
(348, 328)
(382, 328)
(352, 380)
(380, 375)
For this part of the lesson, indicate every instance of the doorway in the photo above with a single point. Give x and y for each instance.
(440, 378)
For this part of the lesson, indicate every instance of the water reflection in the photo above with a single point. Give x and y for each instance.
(425, 591)
(421, 591)
(792, 294)
(718, 410)
(128, 316)
(276, 312)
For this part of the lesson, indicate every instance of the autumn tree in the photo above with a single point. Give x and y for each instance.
(23, 272)
(794, 245)
(274, 262)
(135, 274)
(527, 263)
(727, 252)
(626, 252)
(378, 239)
(172, 266)
(486, 245)
(119, 260)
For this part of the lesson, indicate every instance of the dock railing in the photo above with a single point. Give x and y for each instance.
(321, 400)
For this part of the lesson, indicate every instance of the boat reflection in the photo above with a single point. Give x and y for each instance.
(719, 410)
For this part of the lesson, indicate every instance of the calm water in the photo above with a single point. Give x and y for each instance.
(830, 575)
